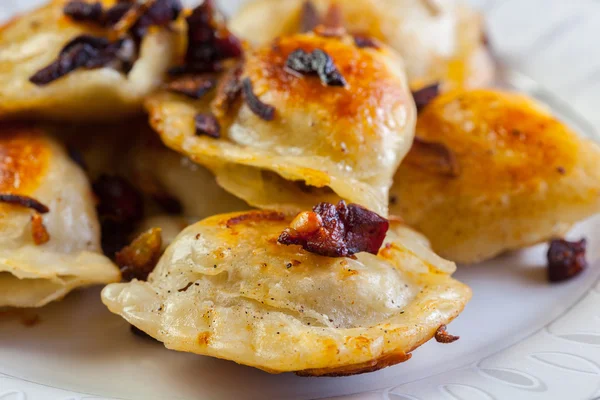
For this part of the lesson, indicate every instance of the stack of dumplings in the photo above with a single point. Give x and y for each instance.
(274, 191)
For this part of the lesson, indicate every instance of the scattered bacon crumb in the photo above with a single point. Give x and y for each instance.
(207, 124)
(434, 157)
(566, 259)
(263, 110)
(192, 86)
(441, 336)
(337, 231)
(24, 201)
(364, 41)
(228, 91)
(425, 95)
(38, 229)
(309, 18)
(209, 41)
(254, 216)
(139, 259)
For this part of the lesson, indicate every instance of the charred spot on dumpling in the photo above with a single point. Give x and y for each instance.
(337, 231)
(366, 42)
(24, 159)
(566, 259)
(433, 157)
(138, 259)
(255, 216)
(38, 230)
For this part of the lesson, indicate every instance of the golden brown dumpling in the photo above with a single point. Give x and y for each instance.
(439, 40)
(42, 260)
(33, 41)
(227, 289)
(324, 142)
(494, 171)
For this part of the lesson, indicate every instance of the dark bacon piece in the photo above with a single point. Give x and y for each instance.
(82, 11)
(209, 41)
(566, 259)
(89, 52)
(364, 41)
(38, 230)
(264, 111)
(139, 259)
(207, 124)
(158, 13)
(337, 231)
(316, 63)
(433, 157)
(309, 18)
(118, 200)
(228, 91)
(441, 336)
(425, 95)
(24, 201)
(192, 86)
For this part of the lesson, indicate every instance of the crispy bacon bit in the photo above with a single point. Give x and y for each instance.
(263, 110)
(425, 95)
(82, 11)
(316, 63)
(566, 259)
(24, 201)
(337, 231)
(309, 18)
(209, 41)
(38, 230)
(228, 91)
(118, 200)
(126, 16)
(192, 86)
(120, 207)
(138, 259)
(207, 124)
(441, 336)
(255, 216)
(364, 41)
(433, 157)
(88, 52)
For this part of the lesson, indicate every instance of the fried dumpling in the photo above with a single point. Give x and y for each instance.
(297, 137)
(99, 77)
(439, 40)
(226, 288)
(175, 183)
(493, 171)
(50, 236)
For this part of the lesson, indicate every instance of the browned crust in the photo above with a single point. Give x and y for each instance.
(362, 368)
(255, 216)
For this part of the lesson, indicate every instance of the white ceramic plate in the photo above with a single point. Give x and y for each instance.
(521, 338)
